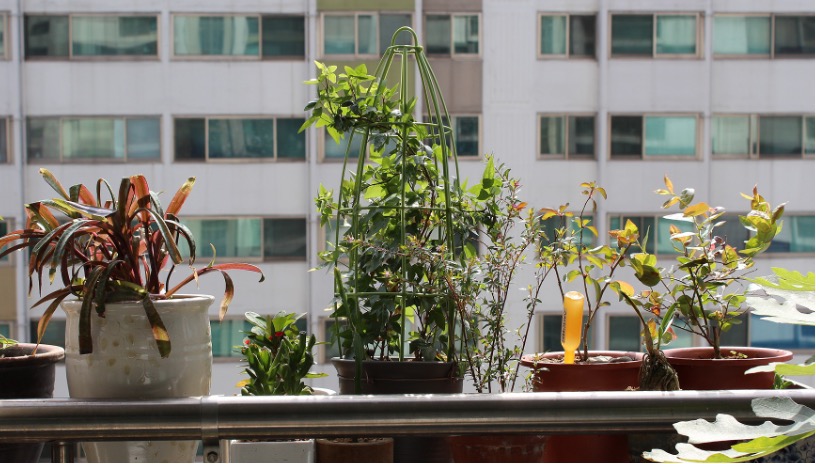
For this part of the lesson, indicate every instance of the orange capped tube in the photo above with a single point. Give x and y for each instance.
(571, 325)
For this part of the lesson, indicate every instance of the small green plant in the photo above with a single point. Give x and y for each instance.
(6, 342)
(278, 356)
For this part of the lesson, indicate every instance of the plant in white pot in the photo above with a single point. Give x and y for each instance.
(278, 358)
(111, 262)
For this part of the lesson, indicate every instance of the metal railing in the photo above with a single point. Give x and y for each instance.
(214, 418)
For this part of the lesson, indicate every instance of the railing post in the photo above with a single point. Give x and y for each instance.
(209, 430)
(63, 451)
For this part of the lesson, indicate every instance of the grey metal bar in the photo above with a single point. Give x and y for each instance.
(63, 452)
(217, 417)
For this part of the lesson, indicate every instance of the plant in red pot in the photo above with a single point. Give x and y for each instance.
(704, 291)
(111, 256)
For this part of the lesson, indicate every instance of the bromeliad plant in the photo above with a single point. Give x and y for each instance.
(704, 291)
(114, 247)
(278, 356)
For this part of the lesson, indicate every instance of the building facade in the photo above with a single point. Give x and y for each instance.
(718, 95)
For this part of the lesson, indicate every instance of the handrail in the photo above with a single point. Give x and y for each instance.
(214, 418)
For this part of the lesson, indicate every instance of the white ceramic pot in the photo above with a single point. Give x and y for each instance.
(272, 451)
(125, 364)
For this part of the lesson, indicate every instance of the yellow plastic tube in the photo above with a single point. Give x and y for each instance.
(571, 325)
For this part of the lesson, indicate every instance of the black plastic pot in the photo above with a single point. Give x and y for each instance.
(27, 376)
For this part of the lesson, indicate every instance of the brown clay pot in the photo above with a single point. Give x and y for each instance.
(363, 450)
(586, 377)
(698, 370)
(497, 448)
(407, 377)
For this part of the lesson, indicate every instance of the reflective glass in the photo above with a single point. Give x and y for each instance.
(438, 34)
(581, 136)
(54, 333)
(43, 138)
(216, 35)
(627, 135)
(284, 238)
(241, 138)
(553, 35)
(552, 135)
(768, 334)
(114, 36)
(742, 35)
(4, 229)
(366, 35)
(467, 135)
(232, 238)
(228, 337)
(466, 34)
(389, 23)
(793, 36)
(88, 138)
(190, 139)
(284, 36)
(3, 35)
(665, 245)
(730, 135)
(632, 34)
(797, 236)
(733, 232)
(676, 35)
(143, 138)
(5, 327)
(338, 150)
(46, 36)
(582, 36)
(338, 35)
(673, 135)
(780, 136)
(809, 135)
(291, 144)
(646, 226)
(3, 140)
(624, 333)
(737, 335)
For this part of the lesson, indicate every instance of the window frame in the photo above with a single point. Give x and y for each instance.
(63, 160)
(699, 36)
(771, 55)
(6, 122)
(274, 159)
(454, 117)
(452, 15)
(567, 37)
(250, 259)
(566, 155)
(755, 134)
(72, 57)
(698, 133)
(356, 13)
(259, 57)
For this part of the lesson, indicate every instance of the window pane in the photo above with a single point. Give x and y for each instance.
(54, 333)
(4, 229)
(215, 35)
(466, 34)
(438, 34)
(3, 140)
(290, 143)
(553, 35)
(190, 138)
(366, 35)
(241, 138)
(730, 135)
(338, 150)
(552, 135)
(114, 35)
(5, 327)
(627, 135)
(780, 136)
(663, 234)
(632, 34)
(646, 226)
(284, 238)
(389, 23)
(552, 333)
(232, 238)
(88, 138)
(582, 36)
(797, 236)
(467, 135)
(809, 135)
(228, 337)
(3, 35)
(338, 35)
(677, 35)
(284, 36)
(581, 136)
(734, 233)
(737, 335)
(624, 333)
(793, 35)
(46, 36)
(143, 139)
(42, 139)
(742, 35)
(769, 334)
(676, 135)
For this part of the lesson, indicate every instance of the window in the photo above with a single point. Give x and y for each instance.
(362, 34)
(239, 36)
(5, 329)
(331, 349)
(465, 131)
(654, 228)
(65, 139)
(337, 151)
(54, 333)
(209, 139)
(566, 137)
(5, 227)
(4, 47)
(752, 36)
(5, 146)
(656, 35)
(769, 334)
(571, 36)
(653, 136)
(551, 225)
(762, 136)
(228, 337)
(251, 238)
(550, 325)
(624, 333)
(797, 236)
(283, 36)
(455, 34)
(90, 36)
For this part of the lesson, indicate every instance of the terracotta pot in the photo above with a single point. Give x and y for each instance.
(697, 370)
(125, 364)
(27, 376)
(560, 377)
(497, 448)
(408, 377)
(365, 450)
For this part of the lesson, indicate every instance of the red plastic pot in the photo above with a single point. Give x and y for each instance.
(698, 370)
